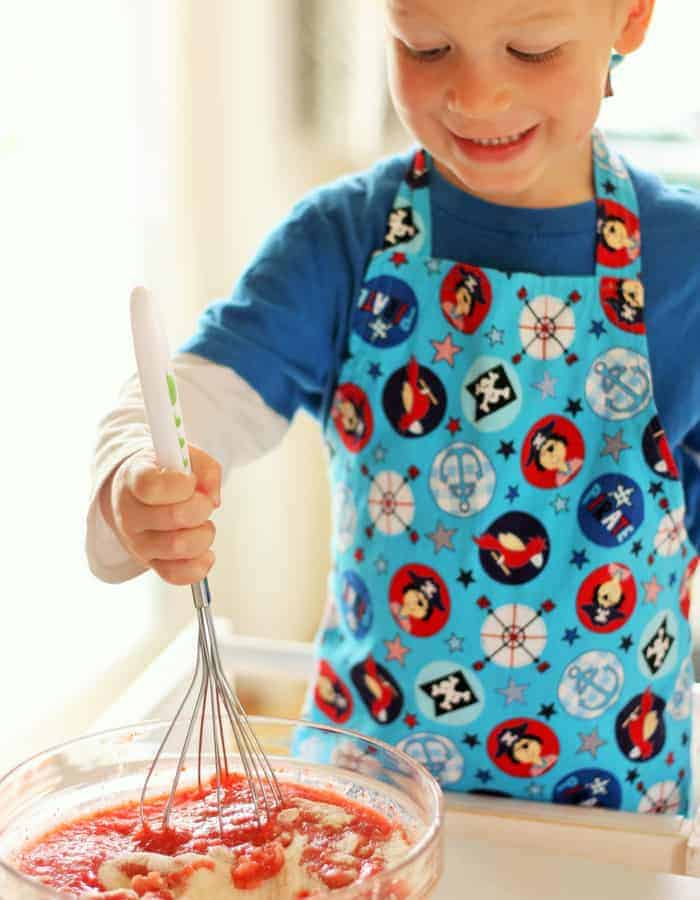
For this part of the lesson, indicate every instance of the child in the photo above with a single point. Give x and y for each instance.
(446, 315)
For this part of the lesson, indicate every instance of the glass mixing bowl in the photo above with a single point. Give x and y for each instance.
(109, 768)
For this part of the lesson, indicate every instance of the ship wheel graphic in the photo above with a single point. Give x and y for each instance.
(671, 534)
(514, 635)
(547, 327)
(661, 799)
(391, 503)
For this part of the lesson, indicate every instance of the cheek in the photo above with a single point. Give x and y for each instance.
(412, 90)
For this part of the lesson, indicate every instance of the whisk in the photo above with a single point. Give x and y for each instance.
(167, 428)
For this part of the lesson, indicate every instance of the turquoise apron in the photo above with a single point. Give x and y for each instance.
(509, 594)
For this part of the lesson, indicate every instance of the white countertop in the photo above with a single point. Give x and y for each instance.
(481, 871)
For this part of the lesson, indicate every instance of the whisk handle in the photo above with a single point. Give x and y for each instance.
(160, 396)
(158, 383)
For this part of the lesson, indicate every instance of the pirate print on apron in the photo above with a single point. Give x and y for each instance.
(509, 592)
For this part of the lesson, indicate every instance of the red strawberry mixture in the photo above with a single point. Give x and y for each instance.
(337, 842)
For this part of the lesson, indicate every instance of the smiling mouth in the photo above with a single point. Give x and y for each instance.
(497, 141)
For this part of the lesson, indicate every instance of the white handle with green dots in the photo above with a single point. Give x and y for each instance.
(158, 382)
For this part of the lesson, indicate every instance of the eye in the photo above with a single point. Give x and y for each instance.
(434, 53)
(535, 57)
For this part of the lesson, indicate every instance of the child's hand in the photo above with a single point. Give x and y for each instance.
(162, 516)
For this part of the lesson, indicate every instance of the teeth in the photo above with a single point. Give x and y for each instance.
(491, 142)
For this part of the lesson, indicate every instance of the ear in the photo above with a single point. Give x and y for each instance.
(636, 21)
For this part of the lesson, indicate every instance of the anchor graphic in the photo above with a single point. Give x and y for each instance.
(611, 377)
(586, 682)
(463, 488)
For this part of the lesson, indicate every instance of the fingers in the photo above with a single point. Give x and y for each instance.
(184, 571)
(163, 516)
(208, 473)
(136, 517)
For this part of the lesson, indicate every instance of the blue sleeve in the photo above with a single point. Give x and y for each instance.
(283, 328)
(670, 216)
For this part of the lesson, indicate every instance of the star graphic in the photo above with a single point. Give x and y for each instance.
(672, 579)
(579, 559)
(513, 693)
(484, 776)
(495, 336)
(375, 370)
(636, 548)
(399, 259)
(534, 791)
(684, 739)
(655, 488)
(471, 740)
(614, 446)
(626, 643)
(652, 589)
(346, 355)
(433, 266)
(591, 742)
(442, 537)
(632, 776)
(513, 493)
(410, 720)
(445, 350)
(379, 453)
(506, 449)
(546, 386)
(560, 504)
(455, 643)
(670, 759)
(359, 554)
(453, 426)
(609, 187)
(395, 650)
(574, 407)
(465, 577)
(381, 565)
(571, 635)
(547, 711)
(597, 328)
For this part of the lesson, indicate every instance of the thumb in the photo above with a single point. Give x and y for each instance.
(208, 473)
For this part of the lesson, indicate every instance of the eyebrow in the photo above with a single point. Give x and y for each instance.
(539, 17)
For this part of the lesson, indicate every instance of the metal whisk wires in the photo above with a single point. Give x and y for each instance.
(215, 692)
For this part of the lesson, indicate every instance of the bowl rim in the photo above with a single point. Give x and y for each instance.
(431, 836)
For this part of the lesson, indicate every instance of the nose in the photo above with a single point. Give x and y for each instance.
(475, 95)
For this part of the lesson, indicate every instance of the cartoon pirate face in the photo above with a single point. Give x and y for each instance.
(552, 452)
(352, 416)
(525, 748)
(331, 695)
(419, 600)
(465, 297)
(618, 234)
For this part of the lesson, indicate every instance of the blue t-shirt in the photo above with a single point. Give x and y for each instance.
(284, 328)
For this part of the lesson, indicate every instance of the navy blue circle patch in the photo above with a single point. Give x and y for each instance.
(414, 400)
(589, 787)
(611, 510)
(355, 603)
(386, 311)
(514, 549)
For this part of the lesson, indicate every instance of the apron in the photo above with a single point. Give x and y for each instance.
(509, 593)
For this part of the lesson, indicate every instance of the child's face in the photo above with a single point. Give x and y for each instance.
(472, 69)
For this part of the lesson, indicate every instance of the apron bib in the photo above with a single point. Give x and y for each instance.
(509, 593)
